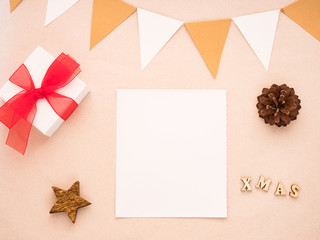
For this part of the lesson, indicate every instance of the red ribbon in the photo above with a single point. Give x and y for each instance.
(19, 112)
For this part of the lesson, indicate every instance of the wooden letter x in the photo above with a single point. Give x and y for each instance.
(246, 184)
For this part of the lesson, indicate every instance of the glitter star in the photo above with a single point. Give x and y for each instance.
(69, 201)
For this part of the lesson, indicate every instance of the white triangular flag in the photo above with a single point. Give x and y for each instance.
(154, 31)
(259, 30)
(56, 7)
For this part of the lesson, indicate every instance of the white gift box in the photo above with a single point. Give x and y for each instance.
(46, 120)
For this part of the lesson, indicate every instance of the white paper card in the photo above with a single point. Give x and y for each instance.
(46, 120)
(171, 153)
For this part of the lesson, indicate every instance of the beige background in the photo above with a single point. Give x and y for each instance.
(84, 147)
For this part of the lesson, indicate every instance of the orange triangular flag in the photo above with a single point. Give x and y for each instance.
(209, 37)
(14, 4)
(106, 16)
(305, 13)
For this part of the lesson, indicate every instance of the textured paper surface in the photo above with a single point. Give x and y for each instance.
(84, 148)
(259, 30)
(209, 37)
(46, 120)
(106, 16)
(154, 32)
(57, 7)
(171, 153)
(305, 13)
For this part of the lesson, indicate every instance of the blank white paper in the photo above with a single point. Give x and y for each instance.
(171, 153)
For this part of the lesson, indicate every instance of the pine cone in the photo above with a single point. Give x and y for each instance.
(278, 105)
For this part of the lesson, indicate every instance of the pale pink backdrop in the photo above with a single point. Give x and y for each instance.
(84, 147)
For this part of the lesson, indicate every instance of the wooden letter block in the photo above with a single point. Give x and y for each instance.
(280, 190)
(262, 184)
(246, 184)
(294, 191)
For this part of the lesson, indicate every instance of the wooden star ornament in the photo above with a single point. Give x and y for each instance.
(69, 201)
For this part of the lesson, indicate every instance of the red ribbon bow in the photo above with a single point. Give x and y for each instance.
(19, 112)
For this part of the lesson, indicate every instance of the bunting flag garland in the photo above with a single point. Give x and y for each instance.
(106, 16)
(305, 13)
(154, 31)
(14, 4)
(57, 7)
(259, 30)
(209, 37)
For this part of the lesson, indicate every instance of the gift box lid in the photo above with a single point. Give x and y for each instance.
(46, 120)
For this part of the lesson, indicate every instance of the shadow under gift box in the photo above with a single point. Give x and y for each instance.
(46, 120)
